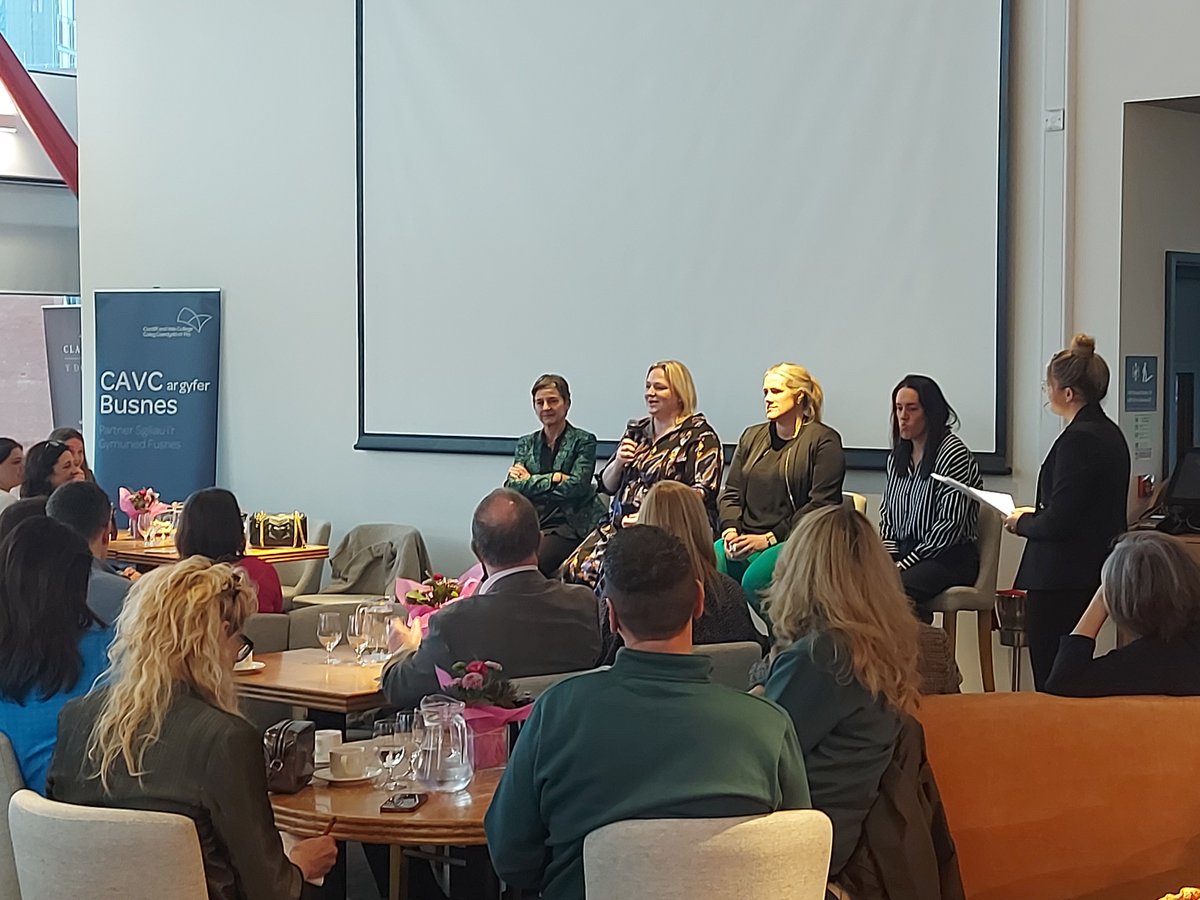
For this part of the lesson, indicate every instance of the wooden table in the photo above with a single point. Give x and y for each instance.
(125, 549)
(301, 678)
(445, 820)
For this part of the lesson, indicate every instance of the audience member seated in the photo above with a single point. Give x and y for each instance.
(52, 648)
(555, 469)
(672, 443)
(930, 529)
(12, 470)
(1150, 588)
(74, 440)
(168, 712)
(48, 464)
(782, 470)
(14, 515)
(678, 510)
(518, 617)
(652, 737)
(845, 665)
(211, 525)
(85, 509)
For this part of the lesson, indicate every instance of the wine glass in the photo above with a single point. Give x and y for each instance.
(356, 633)
(409, 728)
(390, 749)
(329, 632)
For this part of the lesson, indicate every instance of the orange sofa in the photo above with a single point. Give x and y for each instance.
(1051, 798)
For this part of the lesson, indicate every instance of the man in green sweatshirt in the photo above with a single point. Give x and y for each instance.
(652, 737)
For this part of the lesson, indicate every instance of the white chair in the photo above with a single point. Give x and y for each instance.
(731, 662)
(10, 782)
(772, 857)
(979, 597)
(64, 850)
(304, 577)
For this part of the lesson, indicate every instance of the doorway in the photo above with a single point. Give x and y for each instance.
(1181, 350)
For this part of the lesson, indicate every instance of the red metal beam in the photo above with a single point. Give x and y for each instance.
(40, 116)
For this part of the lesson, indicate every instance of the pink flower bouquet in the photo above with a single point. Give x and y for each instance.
(492, 703)
(141, 506)
(417, 595)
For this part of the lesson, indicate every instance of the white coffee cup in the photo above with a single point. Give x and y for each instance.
(246, 664)
(347, 762)
(326, 740)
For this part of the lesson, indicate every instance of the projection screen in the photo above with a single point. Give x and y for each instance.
(586, 187)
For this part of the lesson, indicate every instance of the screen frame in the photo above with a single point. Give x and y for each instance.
(994, 462)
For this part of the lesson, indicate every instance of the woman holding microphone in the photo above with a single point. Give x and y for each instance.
(672, 443)
(1081, 496)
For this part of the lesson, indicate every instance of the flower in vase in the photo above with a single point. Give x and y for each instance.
(472, 681)
(478, 667)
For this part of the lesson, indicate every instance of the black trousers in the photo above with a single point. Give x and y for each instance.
(957, 565)
(553, 552)
(1048, 616)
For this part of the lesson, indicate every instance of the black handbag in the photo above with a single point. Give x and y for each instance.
(290, 748)
(277, 530)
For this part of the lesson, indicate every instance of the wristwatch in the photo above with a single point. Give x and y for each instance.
(771, 539)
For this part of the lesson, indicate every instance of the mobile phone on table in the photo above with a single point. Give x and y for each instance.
(402, 803)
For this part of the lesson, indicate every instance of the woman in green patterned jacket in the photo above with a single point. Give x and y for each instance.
(555, 468)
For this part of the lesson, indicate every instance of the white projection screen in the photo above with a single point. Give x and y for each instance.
(587, 186)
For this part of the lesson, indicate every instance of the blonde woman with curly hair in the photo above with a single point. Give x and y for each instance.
(783, 469)
(164, 732)
(844, 664)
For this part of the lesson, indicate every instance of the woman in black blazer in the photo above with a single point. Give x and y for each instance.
(1081, 497)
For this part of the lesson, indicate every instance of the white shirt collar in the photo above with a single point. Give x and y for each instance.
(487, 586)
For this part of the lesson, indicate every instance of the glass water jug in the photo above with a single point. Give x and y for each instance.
(445, 760)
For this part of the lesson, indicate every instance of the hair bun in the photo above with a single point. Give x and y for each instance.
(1083, 345)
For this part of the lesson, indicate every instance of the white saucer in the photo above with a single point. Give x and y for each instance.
(255, 666)
(325, 775)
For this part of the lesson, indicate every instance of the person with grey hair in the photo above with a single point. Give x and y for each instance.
(519, 618)
(1150, 588)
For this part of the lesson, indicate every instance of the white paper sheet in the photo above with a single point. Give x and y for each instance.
(995, 499)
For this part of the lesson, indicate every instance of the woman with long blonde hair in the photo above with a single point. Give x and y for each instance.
(164, 731)
(677, 509)
(783, 469)
(845, 662)
(673, 442)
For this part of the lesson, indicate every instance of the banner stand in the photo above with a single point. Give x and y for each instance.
(157, 371)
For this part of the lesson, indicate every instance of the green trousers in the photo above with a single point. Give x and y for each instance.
(754, 572)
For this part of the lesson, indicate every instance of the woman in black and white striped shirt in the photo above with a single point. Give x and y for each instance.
(929, 528)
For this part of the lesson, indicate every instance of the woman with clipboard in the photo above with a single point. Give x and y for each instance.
(1081, 496)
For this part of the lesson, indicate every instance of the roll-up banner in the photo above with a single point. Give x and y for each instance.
(157, 367)
(64, 363)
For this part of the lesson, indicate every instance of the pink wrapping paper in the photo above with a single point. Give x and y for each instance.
(133, 512)
(489, 725)
(468, 584)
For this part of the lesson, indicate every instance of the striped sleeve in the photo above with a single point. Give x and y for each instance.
(887, 527)
(949, 515)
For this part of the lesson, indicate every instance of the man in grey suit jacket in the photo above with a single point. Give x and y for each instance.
(519, 618)
(85, 509)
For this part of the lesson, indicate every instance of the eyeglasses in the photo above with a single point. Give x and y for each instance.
(246, 649)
